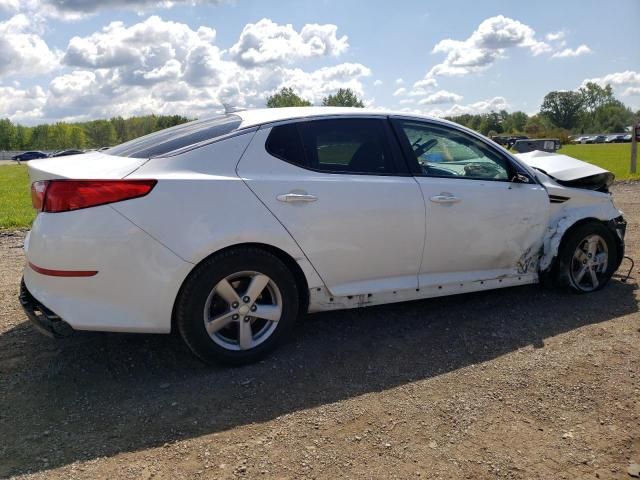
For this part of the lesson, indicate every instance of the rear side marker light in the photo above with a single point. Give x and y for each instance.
(65, 195)
(62, 273)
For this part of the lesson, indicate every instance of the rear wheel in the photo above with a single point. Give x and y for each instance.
(587, 259)
(237, 306)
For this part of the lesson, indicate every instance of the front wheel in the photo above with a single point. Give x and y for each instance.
(237, 306)
(587, 258)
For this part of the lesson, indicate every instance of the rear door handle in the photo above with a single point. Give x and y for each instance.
(444, 198)
(292, 197)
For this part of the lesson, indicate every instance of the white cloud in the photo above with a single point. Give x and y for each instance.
(626, 84)
(22, 49)
(555, 36)
(78, 9)
(426, 83)
(484, 106)
(568, 52)
(400, 91)
(165, 67)
(489, 42)
(628, 77)
(399, 81)
(21, 105)
(441, 96)
(377, 83)
(266, 42)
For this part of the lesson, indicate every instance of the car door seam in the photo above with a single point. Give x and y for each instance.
(271, 212)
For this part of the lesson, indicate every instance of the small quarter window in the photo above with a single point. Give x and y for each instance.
(284, 143)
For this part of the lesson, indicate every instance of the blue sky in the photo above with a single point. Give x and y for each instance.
(83, 59)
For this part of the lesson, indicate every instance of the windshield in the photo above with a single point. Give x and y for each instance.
(164, 141)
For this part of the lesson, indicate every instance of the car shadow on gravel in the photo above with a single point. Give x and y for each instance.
(95, 395)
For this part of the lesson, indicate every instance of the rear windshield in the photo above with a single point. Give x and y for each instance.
(162, 142)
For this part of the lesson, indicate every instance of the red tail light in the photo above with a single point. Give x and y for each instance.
(65, 195)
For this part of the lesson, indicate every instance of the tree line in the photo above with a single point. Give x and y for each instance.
(92, 134)
(590, 109)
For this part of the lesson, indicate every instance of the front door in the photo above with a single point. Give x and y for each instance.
(480, 223)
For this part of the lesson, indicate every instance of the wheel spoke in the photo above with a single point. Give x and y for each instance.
(581, 273)
(268, 312)
(592, 246)
(580, 255)
(227, 292)
(219, 322)
(245, 335)
(594, 279)
(256, 286)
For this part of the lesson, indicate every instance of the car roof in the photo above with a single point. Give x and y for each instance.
(260, 116)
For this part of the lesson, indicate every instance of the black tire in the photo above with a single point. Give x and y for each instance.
(190, 305)
(565, 269)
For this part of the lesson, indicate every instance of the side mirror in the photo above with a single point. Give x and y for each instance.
(520, 178)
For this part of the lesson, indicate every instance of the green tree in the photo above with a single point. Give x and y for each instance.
(612, 117)
(23, 137)
(286, 97)
(595, 96)
(517, 122)
(101, 133)
(344, 97)
(77, 137)
(7, 135)
(563, 109)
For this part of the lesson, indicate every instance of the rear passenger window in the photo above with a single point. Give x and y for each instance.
(352, 146)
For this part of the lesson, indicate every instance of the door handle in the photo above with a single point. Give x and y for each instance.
(444, 198)
(296, 198)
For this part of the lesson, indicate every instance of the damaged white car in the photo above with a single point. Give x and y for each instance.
(228, 229)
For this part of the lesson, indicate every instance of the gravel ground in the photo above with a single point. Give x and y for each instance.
(519, 383)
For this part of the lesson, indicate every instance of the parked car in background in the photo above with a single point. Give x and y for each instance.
(531, 144)
(228, 229)
(32, 155)
(65, 153)
(597, 139)
(626, 138)
(617, 138)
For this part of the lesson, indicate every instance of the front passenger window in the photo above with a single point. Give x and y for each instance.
(445, 152)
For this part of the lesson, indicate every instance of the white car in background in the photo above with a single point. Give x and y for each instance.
(229, 228)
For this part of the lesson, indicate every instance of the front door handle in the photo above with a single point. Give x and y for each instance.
(293, 197)
(444, 198)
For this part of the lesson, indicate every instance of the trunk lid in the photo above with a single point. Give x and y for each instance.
(89, 166)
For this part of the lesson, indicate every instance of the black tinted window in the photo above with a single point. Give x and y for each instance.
(284, 143)
(348, 145)
(334, 145)
(165, 141)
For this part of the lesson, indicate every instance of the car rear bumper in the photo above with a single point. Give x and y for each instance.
(43, 319)
(133, 283)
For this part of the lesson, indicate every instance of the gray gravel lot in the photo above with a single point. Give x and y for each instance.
(517, 383)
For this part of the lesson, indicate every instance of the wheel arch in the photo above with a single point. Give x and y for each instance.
(550, 271)
(286, 258)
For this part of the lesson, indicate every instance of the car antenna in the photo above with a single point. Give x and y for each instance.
(228, 108)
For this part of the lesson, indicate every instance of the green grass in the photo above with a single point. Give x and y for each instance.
(15, 198)
(614, 157)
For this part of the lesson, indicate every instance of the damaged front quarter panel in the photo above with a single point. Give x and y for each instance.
(581, 205)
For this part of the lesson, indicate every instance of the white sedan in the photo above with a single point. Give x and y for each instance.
(228, 229)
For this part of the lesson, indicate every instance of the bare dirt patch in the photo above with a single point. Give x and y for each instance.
(519, 383)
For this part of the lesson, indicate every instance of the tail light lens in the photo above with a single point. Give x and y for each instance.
(65, 195)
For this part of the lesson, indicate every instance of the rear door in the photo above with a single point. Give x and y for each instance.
(481, 224)
(342, 190)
